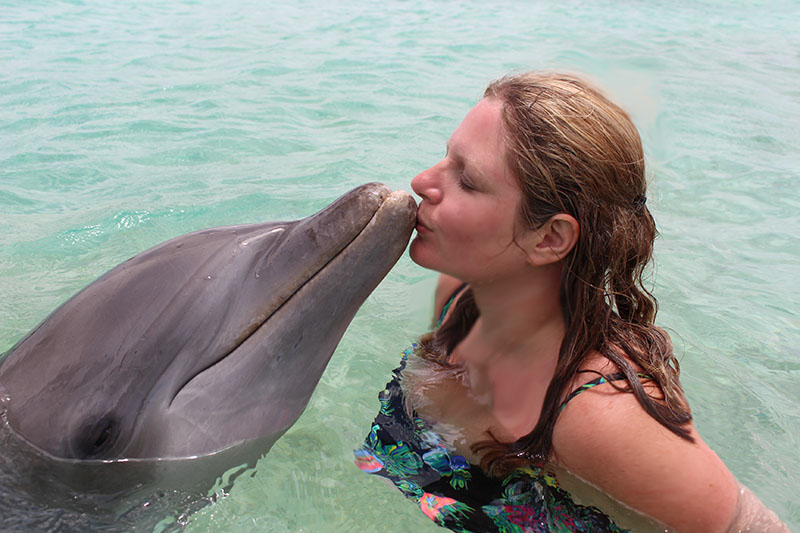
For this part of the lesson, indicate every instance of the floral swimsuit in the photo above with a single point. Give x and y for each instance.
(456, 494)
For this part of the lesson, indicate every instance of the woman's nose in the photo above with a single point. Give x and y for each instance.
(427, 185)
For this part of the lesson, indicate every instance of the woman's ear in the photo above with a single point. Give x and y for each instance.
(553, 240)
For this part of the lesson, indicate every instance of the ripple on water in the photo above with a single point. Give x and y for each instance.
(123, 126)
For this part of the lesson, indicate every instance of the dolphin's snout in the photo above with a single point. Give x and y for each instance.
(400, 209)
(402, 199)
(209, 340)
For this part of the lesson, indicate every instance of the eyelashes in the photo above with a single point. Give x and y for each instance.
(463, 180)
(465, 183)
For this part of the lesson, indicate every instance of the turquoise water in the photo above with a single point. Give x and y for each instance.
(124, 125)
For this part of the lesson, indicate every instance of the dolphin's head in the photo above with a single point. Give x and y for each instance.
(206, 341)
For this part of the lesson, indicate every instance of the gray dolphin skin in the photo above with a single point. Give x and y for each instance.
(206, 344)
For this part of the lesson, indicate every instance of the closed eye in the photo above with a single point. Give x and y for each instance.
(465, 183)
(465, 180)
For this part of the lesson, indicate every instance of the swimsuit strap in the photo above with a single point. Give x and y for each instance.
(588, 385)
(599, 381)
(450, 301)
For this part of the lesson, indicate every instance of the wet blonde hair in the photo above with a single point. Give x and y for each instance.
(574, 151)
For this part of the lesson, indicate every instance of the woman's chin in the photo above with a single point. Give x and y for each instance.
(417, 253)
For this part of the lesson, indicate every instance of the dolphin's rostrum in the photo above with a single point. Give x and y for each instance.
(208, 343)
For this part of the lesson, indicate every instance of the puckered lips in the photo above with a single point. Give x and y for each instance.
(421, 227)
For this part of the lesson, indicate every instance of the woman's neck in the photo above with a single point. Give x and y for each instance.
(512, 350)
(522, 312)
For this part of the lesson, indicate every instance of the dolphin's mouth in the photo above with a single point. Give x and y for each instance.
(191, 352)
(369, 219)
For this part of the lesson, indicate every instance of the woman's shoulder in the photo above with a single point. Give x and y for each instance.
(607, 439)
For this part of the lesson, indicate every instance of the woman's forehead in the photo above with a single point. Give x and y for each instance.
(481, 128)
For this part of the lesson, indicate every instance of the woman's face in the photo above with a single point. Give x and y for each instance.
(470, 202)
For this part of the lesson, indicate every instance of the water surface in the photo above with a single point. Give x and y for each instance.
(124, 125)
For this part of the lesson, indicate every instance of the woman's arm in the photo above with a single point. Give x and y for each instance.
(606, 438)
(754, 516)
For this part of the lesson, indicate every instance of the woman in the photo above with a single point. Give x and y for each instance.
(546, 396)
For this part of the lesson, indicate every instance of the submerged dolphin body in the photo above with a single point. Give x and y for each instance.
(202, 350)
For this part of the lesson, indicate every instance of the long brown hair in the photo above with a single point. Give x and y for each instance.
(574, 151)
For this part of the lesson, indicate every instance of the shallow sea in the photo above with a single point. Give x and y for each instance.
(125, 124)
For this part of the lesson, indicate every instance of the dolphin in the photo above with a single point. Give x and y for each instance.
(200, 351)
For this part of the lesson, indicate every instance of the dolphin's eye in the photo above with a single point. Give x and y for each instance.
(97, 438)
